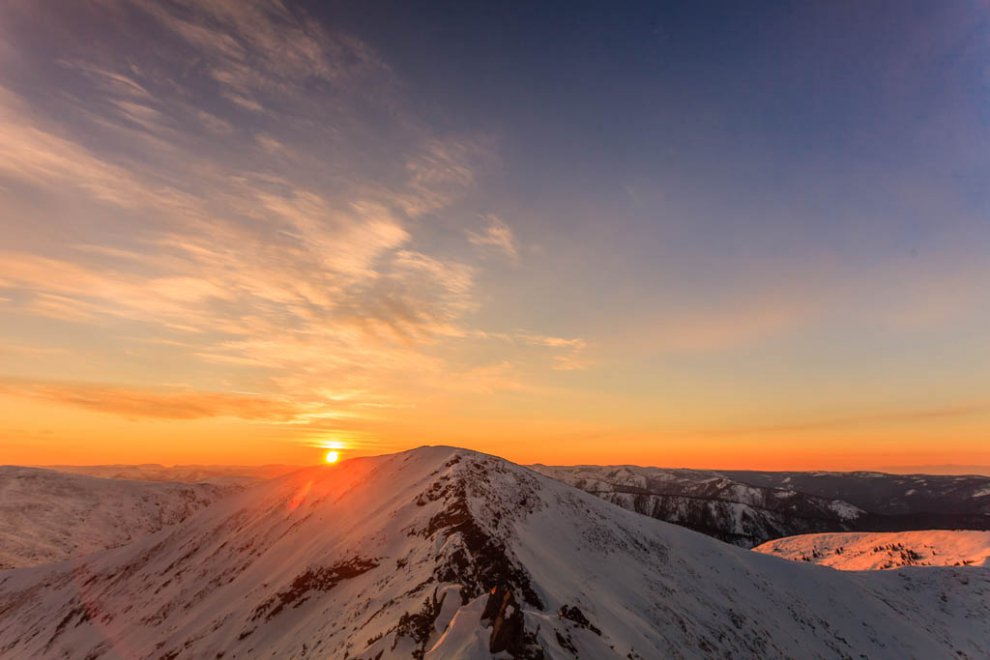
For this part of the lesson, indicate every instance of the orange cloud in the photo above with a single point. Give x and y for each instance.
(288, 255)
(865, 419)
(498, 235)
(158, 404)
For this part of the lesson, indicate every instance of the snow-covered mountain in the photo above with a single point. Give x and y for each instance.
(887, 494)
(710, 503)
(48, 516)
(397, 556)
(750, 508)
(861, 551)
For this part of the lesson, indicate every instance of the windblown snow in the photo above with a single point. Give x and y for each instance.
(861, 551)
(397, 556)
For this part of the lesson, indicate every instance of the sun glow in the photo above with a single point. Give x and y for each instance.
(332, 456)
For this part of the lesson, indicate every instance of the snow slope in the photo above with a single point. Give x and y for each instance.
(48, 516)
(394, 556)
(860, 551)
(709, 503)
(750, 508)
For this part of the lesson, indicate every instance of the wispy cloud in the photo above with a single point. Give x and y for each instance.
(157, 404)
(866, 419)
(498, 235)
(232, 200)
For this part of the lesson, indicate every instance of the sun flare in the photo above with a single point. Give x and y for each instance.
(332, 456)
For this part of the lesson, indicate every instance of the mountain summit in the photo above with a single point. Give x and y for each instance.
(441, 552)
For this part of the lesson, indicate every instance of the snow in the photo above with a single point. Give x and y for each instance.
(730, 510)
(845, 510)
(368, 558)
(464, 638)
(48, 516)
(860, 551)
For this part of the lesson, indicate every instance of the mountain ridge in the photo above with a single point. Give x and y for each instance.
(396, 556)
(723, 505)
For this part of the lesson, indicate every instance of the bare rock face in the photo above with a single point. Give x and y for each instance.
(506, 620)
(477, 559)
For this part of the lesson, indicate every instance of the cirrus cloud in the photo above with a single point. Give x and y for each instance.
(248, 199)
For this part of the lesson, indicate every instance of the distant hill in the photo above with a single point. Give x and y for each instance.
(859, 551)
(48, 516)
(181, 473)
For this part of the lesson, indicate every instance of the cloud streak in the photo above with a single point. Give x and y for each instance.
(156, 404)
(496, 235)
(250, 199)
(896, 417)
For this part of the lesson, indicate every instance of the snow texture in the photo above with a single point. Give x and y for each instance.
(861, 551)
(48, 516)
(359, 560)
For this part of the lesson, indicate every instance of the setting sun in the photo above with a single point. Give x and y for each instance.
(477, 330)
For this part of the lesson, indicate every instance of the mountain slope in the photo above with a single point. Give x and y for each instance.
(860, 551)
(710, 503)
(750, 508)
(881, 493)
(394, 556)
(48, 516)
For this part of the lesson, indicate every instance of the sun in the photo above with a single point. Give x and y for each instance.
(332, 456)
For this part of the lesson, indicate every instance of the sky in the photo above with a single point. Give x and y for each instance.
(720, 235)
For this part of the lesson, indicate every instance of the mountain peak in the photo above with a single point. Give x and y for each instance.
(441, 552)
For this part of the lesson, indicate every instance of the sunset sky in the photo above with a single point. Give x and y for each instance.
(747, 235)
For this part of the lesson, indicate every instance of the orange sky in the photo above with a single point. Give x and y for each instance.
(310, 235)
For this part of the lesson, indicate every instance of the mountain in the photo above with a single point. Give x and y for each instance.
(889, 494)
(48, 516)
(710, 503)
(445, 553)
(750, 508)
(217, 474)
(861, 551)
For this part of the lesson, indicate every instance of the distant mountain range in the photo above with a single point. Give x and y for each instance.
(444, 553)
(218, 474)
(750, 508)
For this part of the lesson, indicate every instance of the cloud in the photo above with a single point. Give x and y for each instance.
(236, 210)
(905, 416)
(260, 44)
(32, 155)
(497, 235)
(157, 404)
(568, 354)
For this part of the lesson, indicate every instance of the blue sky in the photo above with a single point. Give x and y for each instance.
(661, 233)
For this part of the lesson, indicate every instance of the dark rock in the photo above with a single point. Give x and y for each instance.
(575, 615)
(507, 622)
